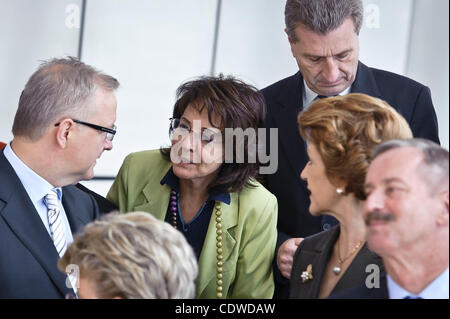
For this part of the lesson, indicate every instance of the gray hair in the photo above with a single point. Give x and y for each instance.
(322, 16)
(134, 256)
(435, 168)
(59, 88)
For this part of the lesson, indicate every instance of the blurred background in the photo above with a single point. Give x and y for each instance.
(152, 46)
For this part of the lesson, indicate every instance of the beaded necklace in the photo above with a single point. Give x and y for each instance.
(174, 211)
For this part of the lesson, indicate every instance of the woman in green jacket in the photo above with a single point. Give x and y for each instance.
(204, 185)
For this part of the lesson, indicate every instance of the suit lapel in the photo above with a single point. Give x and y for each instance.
(318, 258)
(157, 200)
(23, 219)
(207, 261)
(156, 196)
(291, 103)
(77, 216)
(365, 82)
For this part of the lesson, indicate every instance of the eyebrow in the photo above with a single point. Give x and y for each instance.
(322, 56)
(386, 182)
(202, 128)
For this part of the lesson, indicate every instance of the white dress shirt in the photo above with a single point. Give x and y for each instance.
(309, 95)
(437, 289)
(36, 188)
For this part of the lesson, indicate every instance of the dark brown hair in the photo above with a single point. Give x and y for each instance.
(345, 129)
(237, 105)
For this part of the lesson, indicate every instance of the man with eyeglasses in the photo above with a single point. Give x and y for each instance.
(64, 122)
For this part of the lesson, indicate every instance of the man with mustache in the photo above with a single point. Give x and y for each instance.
(324, 40)
(407, 218)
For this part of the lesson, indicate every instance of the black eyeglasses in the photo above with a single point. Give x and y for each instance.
(109, 132)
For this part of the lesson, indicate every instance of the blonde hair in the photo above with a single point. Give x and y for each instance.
(133, 256)
(345, 129)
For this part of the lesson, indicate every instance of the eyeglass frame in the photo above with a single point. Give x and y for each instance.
(172, 129)
(110, 132)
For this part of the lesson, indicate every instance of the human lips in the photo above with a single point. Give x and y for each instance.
(184, 162)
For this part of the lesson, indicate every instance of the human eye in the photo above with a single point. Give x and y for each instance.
(394, 191)
(343, 56)
(184, 127)
(209, 136)
(314, 59)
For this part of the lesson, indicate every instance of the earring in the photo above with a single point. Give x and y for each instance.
(339, 191)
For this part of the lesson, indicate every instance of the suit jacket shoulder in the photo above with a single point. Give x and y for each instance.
(274, 90)
(104, 205)
(409, 97)
(136, 180)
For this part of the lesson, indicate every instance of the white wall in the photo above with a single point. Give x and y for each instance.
(429, 56)
(30, 31)
(152, 46)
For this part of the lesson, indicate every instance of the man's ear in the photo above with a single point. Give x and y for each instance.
(291, 43)
(65, 128)
(289, 38)
(443, 218)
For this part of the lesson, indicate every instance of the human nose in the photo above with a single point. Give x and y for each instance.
(108, 145)
(303, 173)
(374, 202)
(190, 141)
(331, 70)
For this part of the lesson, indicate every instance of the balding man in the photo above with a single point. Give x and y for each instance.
(64, 122)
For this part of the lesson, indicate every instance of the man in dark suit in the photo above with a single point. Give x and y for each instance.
(407, 218)
(323, 35)
(64, 122)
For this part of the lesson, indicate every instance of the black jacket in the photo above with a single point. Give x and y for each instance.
(28, 257)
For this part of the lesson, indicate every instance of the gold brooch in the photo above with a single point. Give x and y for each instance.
(307, 275)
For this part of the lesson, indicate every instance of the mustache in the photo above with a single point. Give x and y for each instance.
(378, 216)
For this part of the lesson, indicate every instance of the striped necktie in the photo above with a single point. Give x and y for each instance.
(58, 232)
(55, 222)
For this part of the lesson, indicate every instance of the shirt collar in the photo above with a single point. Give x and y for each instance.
(309, 95)
(173, 182)
(35, 185)
(437, 289)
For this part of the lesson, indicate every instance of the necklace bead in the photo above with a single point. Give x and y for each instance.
(219, 256)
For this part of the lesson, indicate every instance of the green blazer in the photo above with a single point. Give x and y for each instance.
(248, 223)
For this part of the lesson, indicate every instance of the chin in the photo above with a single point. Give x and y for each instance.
(313, 211)
(182, 172)
(378, 242)
(88, 175)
